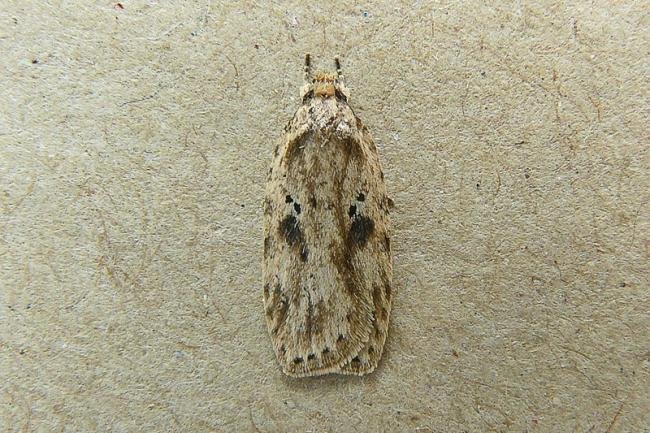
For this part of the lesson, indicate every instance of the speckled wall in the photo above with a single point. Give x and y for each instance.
(134, 143)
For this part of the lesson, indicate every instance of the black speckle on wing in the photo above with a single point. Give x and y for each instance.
(290, 230)
(362, 228)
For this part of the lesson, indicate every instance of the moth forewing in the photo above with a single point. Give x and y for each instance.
(327, 262)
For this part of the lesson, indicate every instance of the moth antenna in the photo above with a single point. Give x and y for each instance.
(307, 68)
(339, 71)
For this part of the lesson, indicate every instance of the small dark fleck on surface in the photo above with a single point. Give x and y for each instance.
(257, 47)
(341, 337)
(361, 197)
(352, 211)
(453, 352)
(356, 359)
(296, 207)
(483, 73)
(623, 284)
(35, 62)
(288, 199)
(119, 6)
(371, 349)
(297, 360)
(527, 175)
(311, 356)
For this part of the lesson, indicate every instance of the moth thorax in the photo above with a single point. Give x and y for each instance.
(324, 85)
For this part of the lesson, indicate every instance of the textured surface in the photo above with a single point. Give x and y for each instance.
(134, 144)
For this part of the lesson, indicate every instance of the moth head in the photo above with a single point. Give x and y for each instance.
(323, 85)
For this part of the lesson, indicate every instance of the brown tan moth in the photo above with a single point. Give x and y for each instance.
(327, 261)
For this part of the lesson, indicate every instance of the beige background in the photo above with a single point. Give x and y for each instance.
(134, 147)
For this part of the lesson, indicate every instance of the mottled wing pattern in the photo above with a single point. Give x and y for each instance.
(327, 261)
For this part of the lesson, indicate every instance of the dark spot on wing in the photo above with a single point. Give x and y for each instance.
(298, 360)
(352, 211)
(288, 199)
(362, 228)
(290, 230)
(296, 207)
(361, 197)
(311, 357)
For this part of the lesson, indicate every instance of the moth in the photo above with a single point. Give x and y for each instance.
(327, 259)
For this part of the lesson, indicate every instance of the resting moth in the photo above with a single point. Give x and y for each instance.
(327, 261)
